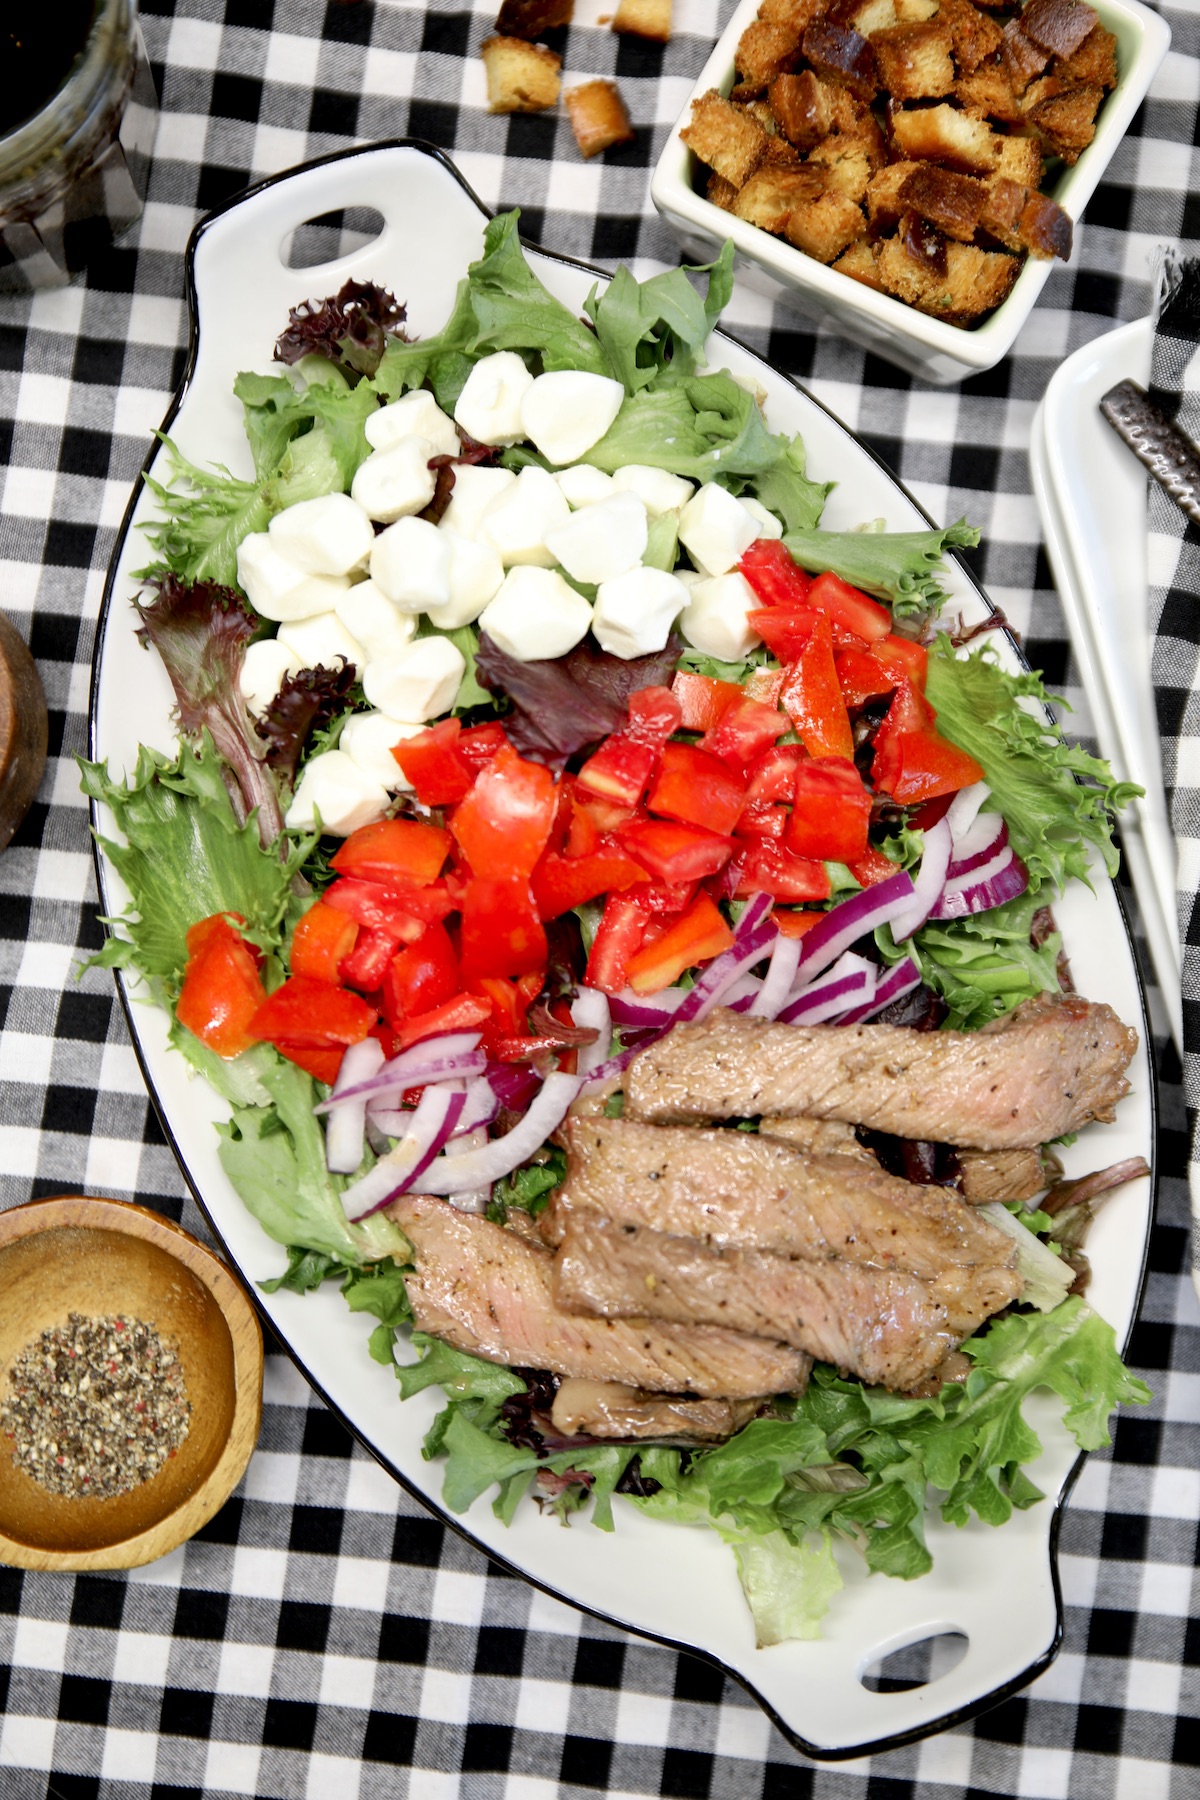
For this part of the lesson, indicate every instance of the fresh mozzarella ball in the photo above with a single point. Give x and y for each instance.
(413, 415)
(380, 627)
(475, 576)
(658, 490)
(276, 588)
(334, 786)
(601, 542)
(322, 642)
(367, 739)
(714, 619)
(691, 578)
(329, 536)
(265, 667)
(634, 614)
(583, 485)
(536, 615)
(475, 488)
(394, 483)
(419, 682)
(489, 407)
(568, 410)
(411, 565)
(515, 526)
(769, 526)
(715, 529)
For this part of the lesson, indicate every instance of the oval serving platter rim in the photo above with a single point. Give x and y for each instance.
(947, 1720)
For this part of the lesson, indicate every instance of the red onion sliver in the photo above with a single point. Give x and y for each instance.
(514, 1084)
(590, 1009)
(832, 996)
(433, 1059)
(998, 882)
(644, 1011)
(430, 1125)
(901, 979)
(464, 1143)
(987, 836)
(346, 1130)
(853, 919)
(931, 878)
(479, 1168)
(962, 810)
(480, 1106)
(720, 975)
(777, 983)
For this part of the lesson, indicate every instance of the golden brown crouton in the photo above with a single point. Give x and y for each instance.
(1066, 123)
(722, 193)
(1059, 26)
(1022, 57)
(598, 116)
(531, 19)
(1001, 215)
(952, 203)
(867, 132)
(781, 155)
(1044, 228)
(723, 136)
(771, 196)
(867, 16)
(803, 107)
(976, 37)
(846, 164)
(1094, 64)
(1020, 158)
(884, 206)
(858, 262)
(825, 227)
(988, 93)
(521, 77)
(940, 134)
(765, 51)
(842, 55)
(644, 18)
(974, 283)
(794, 13)
(915, 12)
(914, 60)
(759, 109)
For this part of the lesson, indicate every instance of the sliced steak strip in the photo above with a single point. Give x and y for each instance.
(608, 1410)
(1058, 1063)
(823, 1137)
(1001, 1175)
(484, 1290)
(739, 1190)
(885, 1326)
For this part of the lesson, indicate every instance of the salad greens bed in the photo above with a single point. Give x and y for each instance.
(202, 834)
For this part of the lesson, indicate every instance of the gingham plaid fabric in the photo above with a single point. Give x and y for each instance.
(324, 1637)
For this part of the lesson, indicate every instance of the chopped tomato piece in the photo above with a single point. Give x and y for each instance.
(619, 770)
(434, 763)
(504, 822)
(322, 1065)
(663, 898)
(913, 762)
(785, 630)
(218, 925)
(744, 731)
(404, 912)
(313, 1015)
(508, 1006)
(420, 976)
(931, 812)
(583, 833)
(605, 815)
(813, 700)
(795, 924)
(696, 788)
(466, 1012)
(702, 699)
(395, 852)
(849, 608)
(831, 811)
(862, 676)
(367, 963)
(619, 936)
(479, 743)
(501, 931)
(904, 657)
(872, 867)
(773, 776)
(696, 936)
(774, 574)
(769, 868)
(676, 852)
(654, 713)
(561, 882)
(321, 941)
(762, 819)
(222, 990)
(386, 1038)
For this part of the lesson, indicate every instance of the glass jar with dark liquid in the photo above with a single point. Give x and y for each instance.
(77, 118)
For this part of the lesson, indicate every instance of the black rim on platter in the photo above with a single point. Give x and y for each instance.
(820, 1753)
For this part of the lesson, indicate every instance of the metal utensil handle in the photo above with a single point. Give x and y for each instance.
(1171, 458)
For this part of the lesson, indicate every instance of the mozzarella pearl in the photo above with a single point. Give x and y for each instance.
(413, 415)
(322, 643)
(266, 665)
(335, 788)
(411, 565)
(536, 615)
(658, 490)
(716, 529)
(397, 482)
(489, 407)
(515, 526)
(419, 682)
(328, 536)
(768, 524)
(276, 588)
(715, 620)
(602, 541)
(475, 487)
(567, 411)
(476, 573)
(368, 615)
(367, 739)
(634, 614)
(584, 486)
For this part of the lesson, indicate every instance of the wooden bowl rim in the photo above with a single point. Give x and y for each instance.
(237, 1308)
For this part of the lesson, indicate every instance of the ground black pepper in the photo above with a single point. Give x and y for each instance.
(95, 1406)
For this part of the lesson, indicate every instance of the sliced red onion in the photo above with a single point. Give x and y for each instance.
(1001, 879)
(963, 809)
(851, 920)
(433, 1059)
(711, 987)
(777, 983)
(590, 1009)
(850, 983)
(430, 1125)
(346, 1130)
(901, 979)
(464, 1143)
(644, 1012)
(617, 1065)
(514, 1084)
(756, 910)
(987, 836)
(479, 1168)
(743, 994)
(931, 877)
(480, 1106)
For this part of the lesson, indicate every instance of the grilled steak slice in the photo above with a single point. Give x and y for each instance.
(739, 1190)
(1058, 1062)
(608, 1410)
(1001, 1175)
(489, 1292)
(886, 1326)
(823, 1137)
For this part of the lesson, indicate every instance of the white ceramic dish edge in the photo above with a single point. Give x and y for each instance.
(670, 1583)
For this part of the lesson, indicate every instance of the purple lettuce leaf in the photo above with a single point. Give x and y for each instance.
(307, 701)
(559, 707)
(350, 328)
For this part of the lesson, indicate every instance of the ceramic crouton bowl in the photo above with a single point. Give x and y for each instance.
(923, 194)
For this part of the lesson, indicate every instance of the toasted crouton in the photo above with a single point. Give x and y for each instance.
(988, 93)
(858, 262)
(823, 228)
(598, 116)
(1022, 57)
(884, 206)
(915, 12)
(975, 281)
(803, 107)
(644, 18)
(795, 13)
(531, 19)
(843, 56)
(867, 16)
(1003, 204)
(914, 60)
(1059, 26)
(952, 203)
(867, 132)
(1066, 122)
(1044, 228)
(725, 138)
(521, 77)
(976, 37)
(765, 51)
(1020, 158)
(846, 164)
(1094, 64)
(942, 135)
(722, 193)
(771, 196)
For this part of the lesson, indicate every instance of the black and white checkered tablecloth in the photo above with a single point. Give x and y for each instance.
(324, 1637)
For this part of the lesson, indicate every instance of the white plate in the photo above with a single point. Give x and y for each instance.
(1091, 494)
(670, 1582)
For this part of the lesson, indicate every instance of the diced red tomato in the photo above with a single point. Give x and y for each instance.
(862, 676)
(696, 936)
(932, 811)
(217, 925)
(785, 630)
(795, 924)
(619, 936)
(395, 852)
(744, 731)
(605, 815)
(654, 713)
(561, 882)
(913, 762)
(321, 941)
(831, 811)
(702, 699)
(583, 833)
(696, 788)
(872, 867)
(367, 963)
(435, 765)
(773, 776)
(619, 771)
(386, 1038)
(762, 819)
(503, 823)
(849, 608)
(479, 744)
(675, 852)
(501, 932)
(323, 1065)
(222, 990)
(663, 898)
(313, 1015)
(769, 868)
(404, 913)
(509, 1002)
(904, 657)
(466, 1012)
(813, 700)
(774, 574)
(421, 976)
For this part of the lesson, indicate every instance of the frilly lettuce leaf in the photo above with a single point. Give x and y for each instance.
(901, 567)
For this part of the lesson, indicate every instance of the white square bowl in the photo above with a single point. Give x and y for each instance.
(925, 346)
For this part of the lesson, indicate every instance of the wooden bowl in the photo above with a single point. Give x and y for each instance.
(105, 1256)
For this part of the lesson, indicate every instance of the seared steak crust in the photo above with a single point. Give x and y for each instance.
(1057, 1063)
(484, 1290)
(607, 1409)
(1001, 1175)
